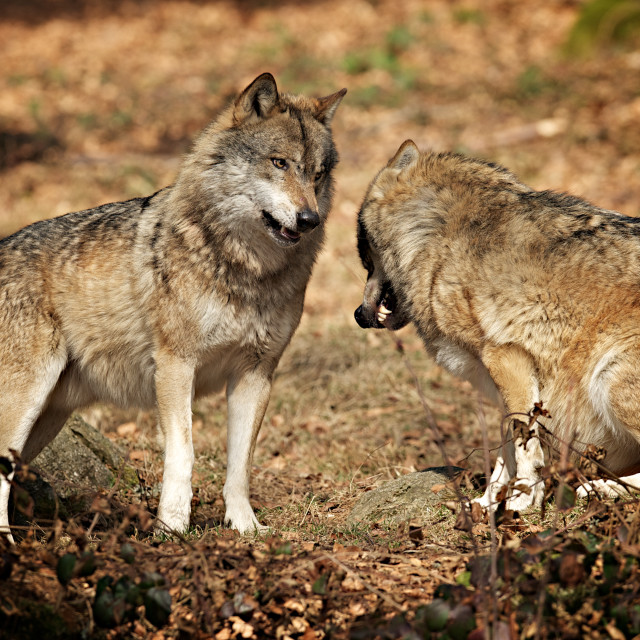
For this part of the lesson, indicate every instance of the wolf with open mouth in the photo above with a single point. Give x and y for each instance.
(532, 296)
(157, 300)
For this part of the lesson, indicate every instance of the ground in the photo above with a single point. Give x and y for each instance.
(99, 100)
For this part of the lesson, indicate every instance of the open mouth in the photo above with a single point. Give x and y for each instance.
(281, 233)
(383, 313)
(386, 306)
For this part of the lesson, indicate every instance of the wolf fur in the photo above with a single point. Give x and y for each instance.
(157, 300)
(530, 295)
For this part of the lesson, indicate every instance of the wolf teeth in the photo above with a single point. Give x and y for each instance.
(383, 313)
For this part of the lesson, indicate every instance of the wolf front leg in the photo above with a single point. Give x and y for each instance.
(247, 397)
(513, 371)
(174, 392)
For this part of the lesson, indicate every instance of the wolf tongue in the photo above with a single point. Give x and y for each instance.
(287, 233)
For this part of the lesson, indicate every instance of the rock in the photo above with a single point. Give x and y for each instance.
(70, 470)
(79, 457)
(406, 498)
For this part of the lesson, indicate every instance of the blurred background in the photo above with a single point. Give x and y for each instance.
(100, 98)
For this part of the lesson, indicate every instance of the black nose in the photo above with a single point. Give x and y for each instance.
(360, 319)
(307, 220)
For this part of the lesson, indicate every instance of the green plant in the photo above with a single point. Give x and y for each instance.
(604, 23)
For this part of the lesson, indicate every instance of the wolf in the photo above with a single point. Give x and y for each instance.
(159, 300)
(532, 296)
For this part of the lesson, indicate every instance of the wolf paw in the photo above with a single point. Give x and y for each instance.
(174, 511)
(7, 534)
(520, 500)
(172, 523)
(243, 520)
(517, 501)
(485, 502)
(605, 488)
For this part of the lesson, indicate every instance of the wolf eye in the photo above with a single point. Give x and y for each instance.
(280, 163)
(319, 175)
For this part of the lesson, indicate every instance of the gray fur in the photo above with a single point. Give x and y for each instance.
(154, 301)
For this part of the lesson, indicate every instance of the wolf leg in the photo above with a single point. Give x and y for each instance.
(174, 393)
(25, 393)
(502, 473)
(5, 490)
(248, 396)
(614, 393)
(513, 372)
(611, 488)
(529, 487)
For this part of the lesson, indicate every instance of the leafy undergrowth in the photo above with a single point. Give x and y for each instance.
(581, 582)
(565, 573)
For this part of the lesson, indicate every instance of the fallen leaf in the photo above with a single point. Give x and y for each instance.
(352, 584)
(614, 632)
(127, 429)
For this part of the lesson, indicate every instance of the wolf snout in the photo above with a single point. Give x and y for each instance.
(307, 219)
(361, 318)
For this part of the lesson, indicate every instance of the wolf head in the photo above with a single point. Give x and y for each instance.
(263, 169)
(383, 306)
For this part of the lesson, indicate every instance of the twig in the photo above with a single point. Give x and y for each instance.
(493, 576)
(307, 511)
(110, 495)
(362, 464)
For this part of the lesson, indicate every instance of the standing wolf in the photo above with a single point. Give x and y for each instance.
(531, 296)
(158, 300)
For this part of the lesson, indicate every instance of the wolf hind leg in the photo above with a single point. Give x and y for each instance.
(20, 409)
(70, 393)
(608, 488)
(614, 388)
(46, 428)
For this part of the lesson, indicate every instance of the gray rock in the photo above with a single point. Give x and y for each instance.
(79, 457)
(70, 470)
(406, 498)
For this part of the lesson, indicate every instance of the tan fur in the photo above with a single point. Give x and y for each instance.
(533, 296)
(157, 300)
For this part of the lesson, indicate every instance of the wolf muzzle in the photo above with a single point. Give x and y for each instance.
(363, 321)
(306, 219)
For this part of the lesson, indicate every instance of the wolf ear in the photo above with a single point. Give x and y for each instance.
(257, 100)
(406, 156)
(326, 107)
